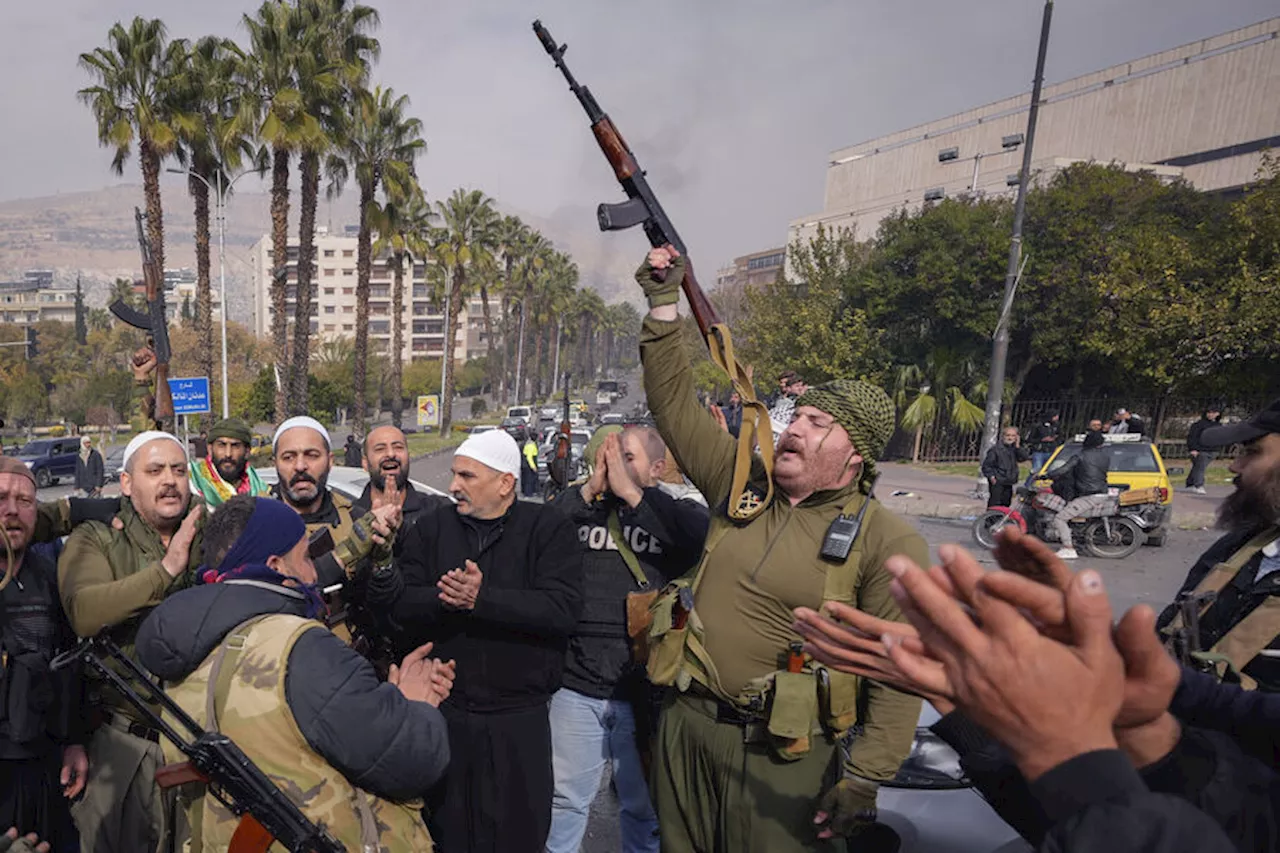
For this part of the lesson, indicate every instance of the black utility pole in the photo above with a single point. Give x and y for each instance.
(1000, 341)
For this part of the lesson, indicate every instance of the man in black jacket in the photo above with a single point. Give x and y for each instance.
(1201, 454)
(43, 763)
(635, 538)
(1043, 439)
(496, 583)
(1242, 569)
(256, 587)
(1001, 468)
(90, 475)
(386, 458)
(1087, 473)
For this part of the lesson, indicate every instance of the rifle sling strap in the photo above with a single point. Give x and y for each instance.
(1221, 574)
(624, 548)
(756, 429)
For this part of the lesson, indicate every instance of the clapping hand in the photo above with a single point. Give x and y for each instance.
(460, 587)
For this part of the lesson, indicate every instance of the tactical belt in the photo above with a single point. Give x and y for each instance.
(121, 723)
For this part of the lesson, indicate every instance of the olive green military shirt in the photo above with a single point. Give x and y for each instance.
(760, 571)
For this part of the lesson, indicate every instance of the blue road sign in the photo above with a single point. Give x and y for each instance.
(190, 396)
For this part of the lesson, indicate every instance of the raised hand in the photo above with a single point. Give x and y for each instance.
(460, 587)
(178, 553)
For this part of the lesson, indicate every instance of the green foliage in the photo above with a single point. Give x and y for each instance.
(478, 407)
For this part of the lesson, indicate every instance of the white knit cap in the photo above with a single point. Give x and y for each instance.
(302, 421)
(493, 448)
(144, 438)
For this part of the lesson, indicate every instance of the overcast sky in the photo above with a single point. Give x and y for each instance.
(731, 105)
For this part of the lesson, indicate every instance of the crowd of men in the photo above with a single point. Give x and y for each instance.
(416, 670)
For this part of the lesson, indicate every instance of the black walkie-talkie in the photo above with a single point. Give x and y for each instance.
(842, 533)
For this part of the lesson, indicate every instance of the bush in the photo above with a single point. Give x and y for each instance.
(478, 407)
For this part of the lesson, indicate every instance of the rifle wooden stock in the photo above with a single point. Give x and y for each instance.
(181, 773)
(250, 836)
(615, 149)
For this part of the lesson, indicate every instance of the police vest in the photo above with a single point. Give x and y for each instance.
(1233, 651)
(239, 690)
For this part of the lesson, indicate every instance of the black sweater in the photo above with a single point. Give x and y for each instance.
(666, 535)
(510, 649)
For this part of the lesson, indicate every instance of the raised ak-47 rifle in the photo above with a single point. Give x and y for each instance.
(154, 324)
(642, 208)
(266, 814)
(558, 467)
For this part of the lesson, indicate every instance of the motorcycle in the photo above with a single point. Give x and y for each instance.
(1114, 536)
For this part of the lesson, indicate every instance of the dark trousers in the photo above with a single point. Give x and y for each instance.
(496, 795)
(528, 481)
(1000, 495)
(1199, 464)
(31, 799)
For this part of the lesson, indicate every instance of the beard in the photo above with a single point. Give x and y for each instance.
(298, 499)
(231, 470)
(1254, 506)
(379, 478)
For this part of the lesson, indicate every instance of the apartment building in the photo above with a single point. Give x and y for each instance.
(334, 301)
(34, 298)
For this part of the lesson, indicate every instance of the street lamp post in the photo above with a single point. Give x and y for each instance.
(1000, 340)
(220, 201)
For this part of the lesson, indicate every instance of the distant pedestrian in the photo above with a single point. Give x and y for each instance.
(1201, 454)
(352, 452)
(90, 471)
(1000, 467)
(1095, 425)
(780, 414)
(1043, 439)
(1125, 423)
(529, 471)
(733, 414)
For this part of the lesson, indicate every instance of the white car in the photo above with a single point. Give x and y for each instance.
(348, 482)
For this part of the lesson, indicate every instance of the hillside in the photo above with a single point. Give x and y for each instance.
(91, 234)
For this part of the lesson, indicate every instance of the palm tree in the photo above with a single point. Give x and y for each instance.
(135, 100)
(275, 112)
(556, 298)
(588, 309)
(331, 68)
(918, 392)
(380, 144)
(534, 252)
(213, 148)
(403, 226)
(509, 235)
(465, 245)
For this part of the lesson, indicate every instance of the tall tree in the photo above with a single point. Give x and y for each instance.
(275, 111)
(134, 101)
(380, 144)
(82, 325)
(534, 251)
(466, 244)
(331, 68)
(403, 226)
(214, 147)
(509, 235)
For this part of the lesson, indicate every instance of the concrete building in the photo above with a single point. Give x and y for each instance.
(334, 303)
(34, 299)
(1204, 111)
(751, 270)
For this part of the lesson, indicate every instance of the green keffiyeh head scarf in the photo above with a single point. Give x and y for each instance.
(866, 413)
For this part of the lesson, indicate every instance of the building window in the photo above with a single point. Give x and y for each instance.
(348, 272)
(346, 327)
(328, 309)
(380, 291)
(379, 308)
(328, 253)
(328, 291)
(315, 327)
(347, 253)
(348, 309)
(328, 327)
(380, 327)
(329, 271)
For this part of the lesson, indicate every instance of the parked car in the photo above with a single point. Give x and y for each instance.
(349, 482)
(523, 412)
(515, 427)
(50, 459)
(113, 464)
(612, 418)
(479, 428)
(1135, 464)
(550, 413)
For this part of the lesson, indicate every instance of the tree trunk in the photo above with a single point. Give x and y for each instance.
(280, 276)
(491, 363)
(204, 299)
(309, 170)
(526, 327)
(537, 367)
(150, 162)
(397, 340)
(506, 345)
(450, 347)
(915, 452)
(363, 267)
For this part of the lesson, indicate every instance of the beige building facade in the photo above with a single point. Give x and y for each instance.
(334, 302)
(1204, 111)
(34, 299)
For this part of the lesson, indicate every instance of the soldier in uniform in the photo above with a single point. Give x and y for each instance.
(110, 578)
(225, 470)
(747, 755)
(1228, 610)
(246, 655)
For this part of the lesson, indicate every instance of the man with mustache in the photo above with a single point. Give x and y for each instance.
(1235, 585)
(43, 763)
(496, 583)
(748, 752)
(109, 578)
(226, 470)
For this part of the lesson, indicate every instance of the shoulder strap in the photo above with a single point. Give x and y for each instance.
(1221, 574)
(224, 669)
(624, 548)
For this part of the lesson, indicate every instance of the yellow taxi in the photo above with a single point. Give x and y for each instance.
(1135, 464)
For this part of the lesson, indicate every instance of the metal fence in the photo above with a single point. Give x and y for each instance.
(1165, 419)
